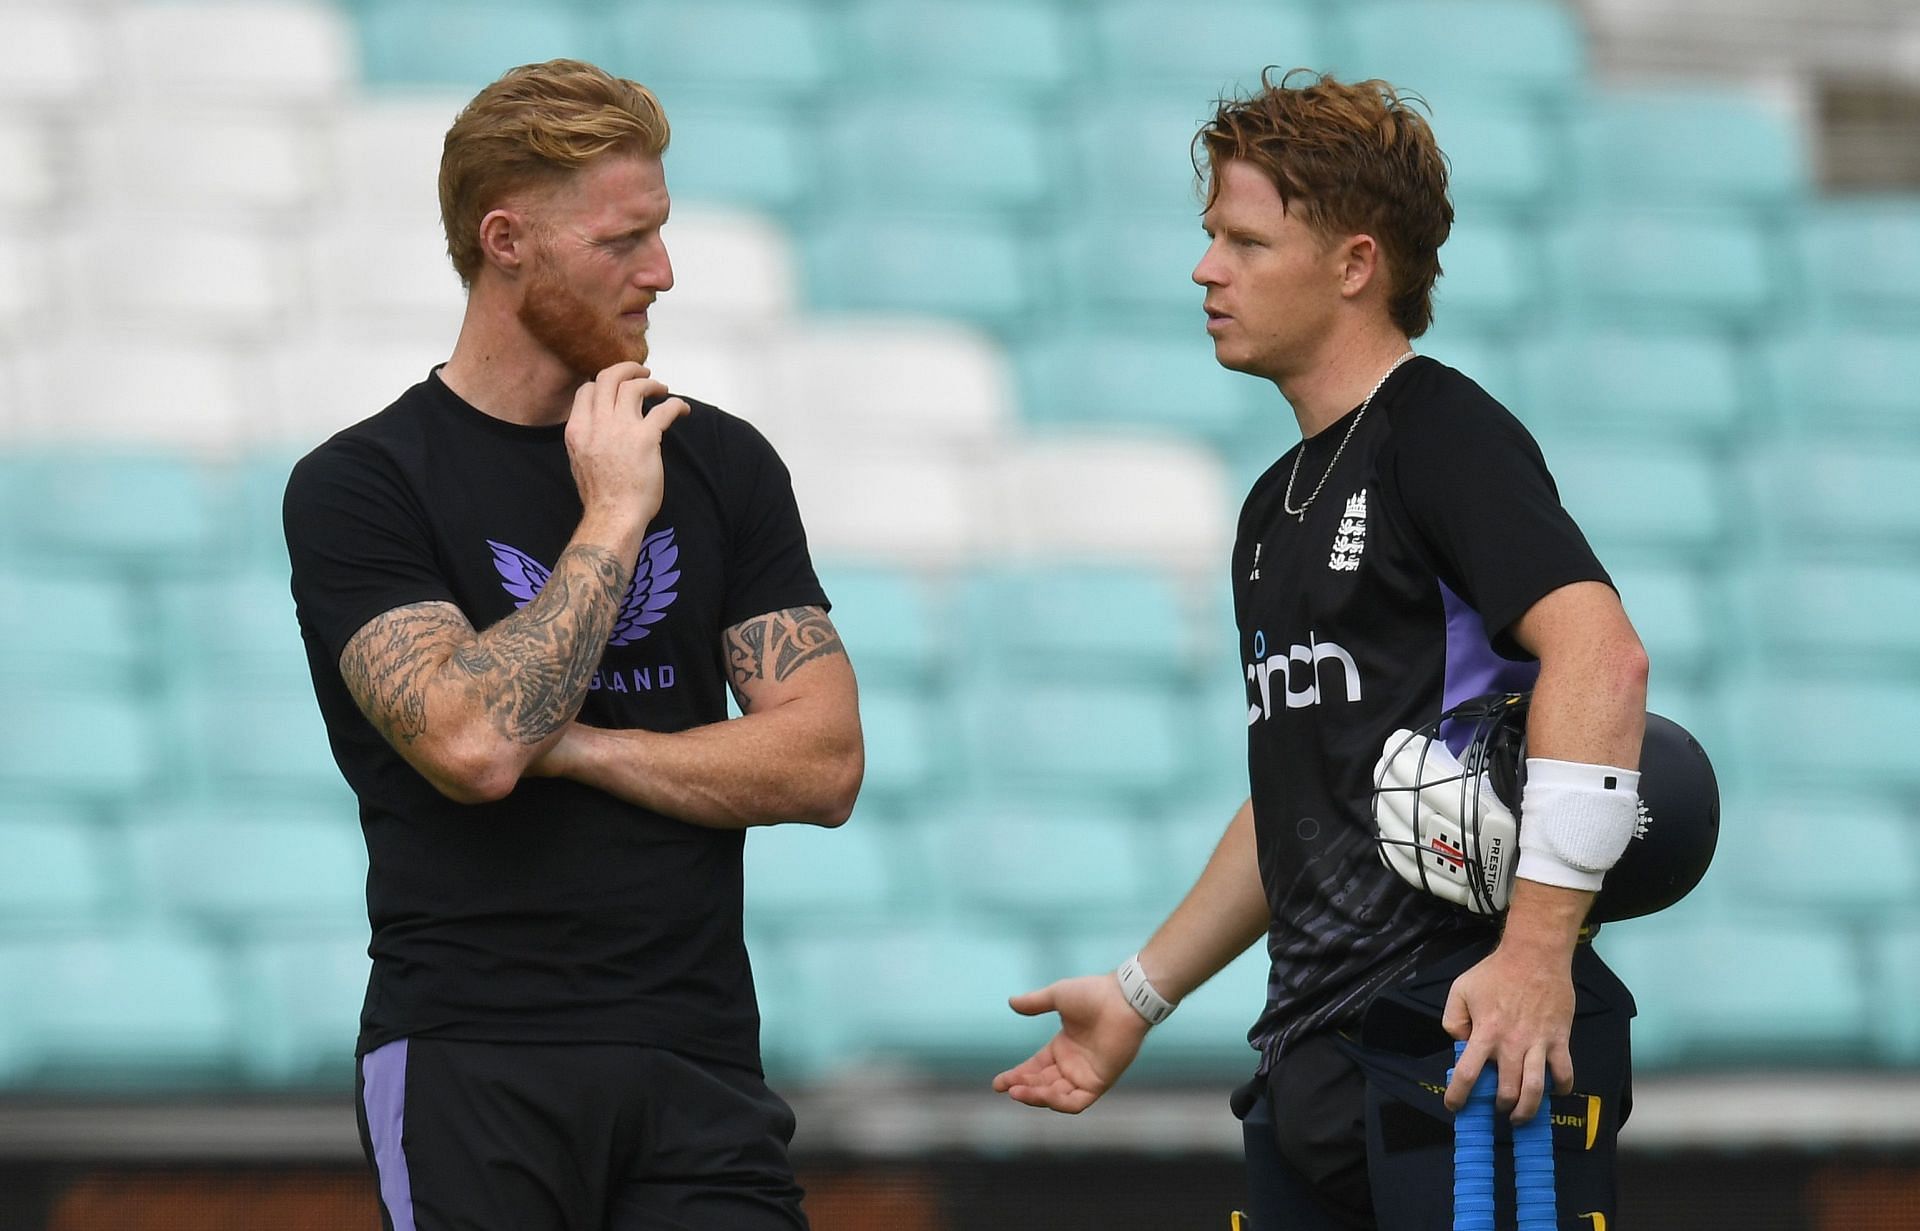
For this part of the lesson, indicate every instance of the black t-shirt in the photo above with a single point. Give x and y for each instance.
(558, 913)
(1392, 598)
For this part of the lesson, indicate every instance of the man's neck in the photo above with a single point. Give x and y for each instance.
(498, 369)
(1340, 378)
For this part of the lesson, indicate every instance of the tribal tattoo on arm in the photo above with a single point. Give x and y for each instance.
(776, 645)
(526, 674)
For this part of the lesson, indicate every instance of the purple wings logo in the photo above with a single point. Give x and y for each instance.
(648, 598)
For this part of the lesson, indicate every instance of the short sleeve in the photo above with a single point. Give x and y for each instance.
(357, 540)
(768, 566)
(1476, 490)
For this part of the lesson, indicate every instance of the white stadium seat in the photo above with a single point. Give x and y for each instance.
(1085, 496)
(729, 263)
(893, 379)
(167, 394)
(28, 178)
(871, 503)
(316, 385)
(202, 158)
(386, 153)
(196, 278)
(262, 51)
(49, 54)
(369, 269)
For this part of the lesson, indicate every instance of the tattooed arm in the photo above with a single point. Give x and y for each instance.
(470, 710)
(795, 754)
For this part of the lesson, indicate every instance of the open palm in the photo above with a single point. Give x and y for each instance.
(1100, 1033)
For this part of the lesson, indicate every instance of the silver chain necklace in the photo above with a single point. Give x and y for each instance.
(1286, 501)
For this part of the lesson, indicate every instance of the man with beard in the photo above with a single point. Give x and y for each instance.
(524, 587)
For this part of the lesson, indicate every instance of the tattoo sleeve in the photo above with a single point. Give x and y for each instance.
(526, 674)
(776, 645)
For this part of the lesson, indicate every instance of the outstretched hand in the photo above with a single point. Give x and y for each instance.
(1100, 1033)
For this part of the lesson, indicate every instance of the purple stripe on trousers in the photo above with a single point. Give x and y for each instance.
(384, 1072)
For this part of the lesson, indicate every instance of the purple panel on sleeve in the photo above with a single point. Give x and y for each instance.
(1473, 668)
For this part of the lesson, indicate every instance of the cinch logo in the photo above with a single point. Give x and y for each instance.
(1302, 681)
(648, 597)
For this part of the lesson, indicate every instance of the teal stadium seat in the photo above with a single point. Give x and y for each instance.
(97, 743)
(148, 514)
(1527, 52)
(1851, 501)
(928, 995)
(769, 49)
(1846, 732)
(1204, 52)
(1134, 150)
(1849, 378)
(1641, 266)
(892, 620)
(926, 151)
(1002, 47)
(739, 154)
(905, 740)
(1857, 615)
(244, 736)
(117, 1008)
(299, 1007)
(1498, 158)
(53, 870)
(1896, 982)
(81, 629)
(1490, 275)
(1642, 384)
(976, 268)
(1836, 855)
(235, 626)
(1139, 380)
(1047, 861)
(1104, 738)
(463, 43)
(251, 867)
(804, 874)
(1132, 270)
(1679, 613)
(1068, 622)
(1689, 147)
(1734, 987)
(1861, 260)
(1632, 503)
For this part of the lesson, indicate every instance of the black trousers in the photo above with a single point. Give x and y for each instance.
(466, 1136)
(1349, 1132)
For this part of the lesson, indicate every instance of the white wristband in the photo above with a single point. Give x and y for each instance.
(1575, 821)
(1140, 994)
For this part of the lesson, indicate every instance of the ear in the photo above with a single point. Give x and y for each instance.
(1361, 262)
(506, 240)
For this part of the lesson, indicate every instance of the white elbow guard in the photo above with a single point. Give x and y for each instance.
(1575, 821)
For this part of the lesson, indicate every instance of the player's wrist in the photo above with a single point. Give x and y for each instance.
(1140, 994)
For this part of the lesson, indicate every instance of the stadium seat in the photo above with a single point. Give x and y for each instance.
(1135, 151)
(118, 1008)
(53, 875)
(83, 743)
(1484, 355)
(1051, 862)
(998, 47)
(386, 274)
(203, 158)
(328, 379)
(299, 1006)
(1529, 51)
(1622, 383)
(1103, 498)
(26, 287)
(1895, 978)
(193, 394)
(1828, 730)
(31, 175)
(858, 381)
(1728, 987)
(1853, 501)
(1667, 506)
(766, 49)
(1852, 379)
(925, 151)
(907, 744)
(50, 55)
(281, 53)
(1861, 260)
(1835, 855)
(153, 513)
(58, 629)
(1490, 276)
(1106, 738)
(974, 268)
(1846, 615)
(931, 995)
(249, 866)
(459, 43)
(1064, 621)
(1204, 52)
(1659, 268)
(1499, 158)
(886, 504)
(1678, 612)
(385, 153)
(730, 265)
(1139, 380)
(741, 156)
(203, 280)
(1688, 147)
(247, 735)
(894, 623)
(821, 877)
(1133, 269)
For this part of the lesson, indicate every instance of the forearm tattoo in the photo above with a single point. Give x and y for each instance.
(778, 644)
(527, 673)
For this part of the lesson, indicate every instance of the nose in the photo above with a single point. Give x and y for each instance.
(656, 272)
(1207, 272)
